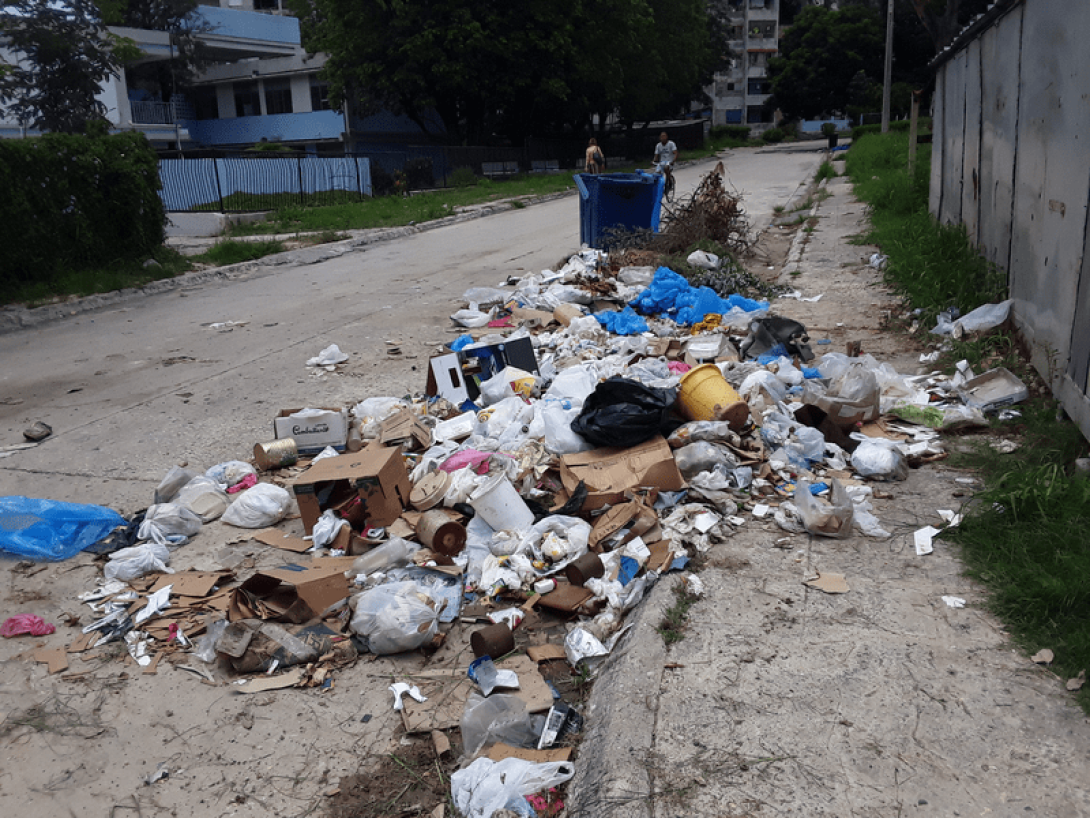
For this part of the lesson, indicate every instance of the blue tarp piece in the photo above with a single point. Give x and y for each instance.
(629, 569)
(51, 529)
(461, 342)
(774, 354)
(672, 295)
(811, 372)
(625, 322)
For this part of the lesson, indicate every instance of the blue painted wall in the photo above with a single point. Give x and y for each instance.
(249, 25)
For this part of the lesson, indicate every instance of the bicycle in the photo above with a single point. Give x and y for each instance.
(670, 184)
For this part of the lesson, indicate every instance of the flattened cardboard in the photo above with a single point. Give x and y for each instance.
(55, 658)
(285, 594)
(259, 684)
(281, 539)
(312, 434)
(662, 555)
(447, 691)
(376, 475)
(544, 653)
(533, 318)
(196, 584)
(499, 751)
(609, 473)
(829, 583)
(566, 597)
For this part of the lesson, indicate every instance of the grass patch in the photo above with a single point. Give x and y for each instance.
(397, 211)
(1024, 537)
(675, 619)
(232, 251)
(933, 265)
(825, 171)
(118, 276)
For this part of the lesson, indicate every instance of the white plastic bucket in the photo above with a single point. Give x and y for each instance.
(501, 506)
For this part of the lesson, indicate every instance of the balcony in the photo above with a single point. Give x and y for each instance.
(151, 113)
(235, 34)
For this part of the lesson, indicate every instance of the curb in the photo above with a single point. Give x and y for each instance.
(615, 778)
(16, 318)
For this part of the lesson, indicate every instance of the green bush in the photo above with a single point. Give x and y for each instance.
(739, 132)
(463, 177)
(828, 128)
(772, 136)
(74, 202)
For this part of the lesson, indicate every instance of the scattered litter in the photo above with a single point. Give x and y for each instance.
(26, 625)
(954, 601)
(922, 539)
(328, 357)
(1043, 657)
(828, 582)
(400, 689)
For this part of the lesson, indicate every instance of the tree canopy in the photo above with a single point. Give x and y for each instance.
(820, 54)
(490, 69)
(64, 54)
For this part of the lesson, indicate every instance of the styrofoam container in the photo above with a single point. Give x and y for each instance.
(992, 390)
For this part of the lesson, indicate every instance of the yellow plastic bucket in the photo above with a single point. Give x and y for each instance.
(704, 394)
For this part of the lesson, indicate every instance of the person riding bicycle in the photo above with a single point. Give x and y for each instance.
(665, 156)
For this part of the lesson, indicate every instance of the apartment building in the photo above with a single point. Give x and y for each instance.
(739, 94)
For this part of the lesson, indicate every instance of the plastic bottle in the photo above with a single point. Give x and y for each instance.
(396, 553)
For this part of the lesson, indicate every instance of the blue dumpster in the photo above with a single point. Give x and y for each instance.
(617, 201)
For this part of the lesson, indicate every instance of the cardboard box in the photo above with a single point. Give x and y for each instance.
(312, 434)
(457, 376)
(291, 594)
(609, 473)
(376, 475)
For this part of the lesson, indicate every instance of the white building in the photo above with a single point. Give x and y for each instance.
(738, 94)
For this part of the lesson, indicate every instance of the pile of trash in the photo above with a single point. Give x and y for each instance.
(600, 427)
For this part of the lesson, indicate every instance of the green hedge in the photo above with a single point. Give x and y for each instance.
(739, 132)
(74, 201)
(923, 126)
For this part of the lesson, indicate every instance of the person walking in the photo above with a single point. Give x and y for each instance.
(595, 162)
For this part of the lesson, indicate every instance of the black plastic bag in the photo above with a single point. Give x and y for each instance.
(623, 413)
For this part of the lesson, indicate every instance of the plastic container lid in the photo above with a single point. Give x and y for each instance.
(430, 490)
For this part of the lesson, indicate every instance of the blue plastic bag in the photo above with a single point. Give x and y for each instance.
(673, 295)
(51, 529)
(625, 322)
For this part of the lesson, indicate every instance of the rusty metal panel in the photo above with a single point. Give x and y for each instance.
(1000, 47)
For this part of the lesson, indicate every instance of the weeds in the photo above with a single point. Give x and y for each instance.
(675, 619)
(933, 265)
(1025, 537)
(232, 251)
(825, 171)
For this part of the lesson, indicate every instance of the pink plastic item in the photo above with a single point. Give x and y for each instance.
(26, 624)
(245, 483)
(680, 367)
(471, 458)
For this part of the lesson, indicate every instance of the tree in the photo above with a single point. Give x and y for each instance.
(943, 19)
(64, 53)
(820, 55)
(482, 69)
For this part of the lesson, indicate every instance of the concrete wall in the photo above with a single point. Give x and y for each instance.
(1011, 162)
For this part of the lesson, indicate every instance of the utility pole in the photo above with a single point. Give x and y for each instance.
(888, 77)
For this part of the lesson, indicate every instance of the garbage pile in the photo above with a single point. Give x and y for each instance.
(598, 428)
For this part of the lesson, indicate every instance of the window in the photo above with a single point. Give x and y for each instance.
(319, 95)
(205, 104)
(757, 113)
(247, 101)
(757, 86)
(278, 97)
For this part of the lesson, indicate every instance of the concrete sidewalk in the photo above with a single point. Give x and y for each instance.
(783, 700)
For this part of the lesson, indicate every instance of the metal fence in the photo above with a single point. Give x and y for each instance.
(262, 182)
(1009, 162)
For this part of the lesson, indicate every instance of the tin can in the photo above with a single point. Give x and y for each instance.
(588, 566)
(494, 641)
(276, 454)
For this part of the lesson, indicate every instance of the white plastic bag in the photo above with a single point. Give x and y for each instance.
(487, 786)
(471, 318)
(559, 437)
(557, 540)
(395, 617)
(229, 473)
(172, 483)
(506, 383)
(326, 528)
(706, 261)
(204, 497)
(502, 717)
(575, 383)
(330, 356)
(165, 520)
(258, 507)
(878, 458)
(829, 519)
(129, 563)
